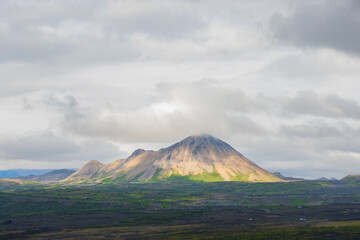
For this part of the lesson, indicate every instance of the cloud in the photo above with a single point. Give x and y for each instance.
(321, 24)
(92, 32)
(311, 149)
(51, 147)
(309, 103)
(314, 129)
(68, 104)
(77, 74)
(177, 110)
(316, 67)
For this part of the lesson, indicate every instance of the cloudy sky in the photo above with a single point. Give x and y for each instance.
(278, 80)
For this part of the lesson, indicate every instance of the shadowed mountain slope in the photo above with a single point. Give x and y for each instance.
(197, 158)
(52, 176)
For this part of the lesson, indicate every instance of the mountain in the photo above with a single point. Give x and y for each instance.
(22, 172)
(197, 158)
(86, 171)
(52, 176)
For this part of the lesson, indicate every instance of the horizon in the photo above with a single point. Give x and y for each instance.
(83, 80)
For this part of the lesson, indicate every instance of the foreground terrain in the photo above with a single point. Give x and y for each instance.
(181, 210)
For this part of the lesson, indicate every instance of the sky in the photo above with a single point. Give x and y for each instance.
(86, 79)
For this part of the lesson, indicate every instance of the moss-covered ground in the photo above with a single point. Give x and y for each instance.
(181, 209)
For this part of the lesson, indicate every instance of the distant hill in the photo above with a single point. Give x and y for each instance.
(351, 179)
(52, 176)
(11, 181)
(22, 172)
(197, 158)
(279, 175)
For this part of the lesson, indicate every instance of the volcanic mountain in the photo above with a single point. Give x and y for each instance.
(198, 158)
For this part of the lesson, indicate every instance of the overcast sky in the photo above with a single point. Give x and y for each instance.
(277, 80)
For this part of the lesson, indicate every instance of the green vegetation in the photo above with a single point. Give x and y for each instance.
(297, 201)
(107, 180)
(205, 176)
(352, 180)
(239, 177)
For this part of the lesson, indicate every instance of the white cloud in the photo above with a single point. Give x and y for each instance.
(177, 110)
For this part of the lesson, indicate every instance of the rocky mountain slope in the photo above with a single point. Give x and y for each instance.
(198, 158)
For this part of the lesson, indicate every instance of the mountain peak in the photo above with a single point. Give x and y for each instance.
(193, 139)
(201, 137)
(88, 169)
(137, 152)
(204, 143)
(94, 162)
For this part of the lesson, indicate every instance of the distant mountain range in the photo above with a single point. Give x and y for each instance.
(197, 158)
(22, 172)
(52, 176)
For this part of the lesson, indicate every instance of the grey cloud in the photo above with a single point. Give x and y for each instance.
(309, 103)
(348, 107)
(71, 32)
(67, 102)
(303, 68)
(321, 24)
(310, 147)
(52, 147)
(303, 155)
(67, 105)
(149, 17)
(89, 32)
(313, 129)
(324, 136)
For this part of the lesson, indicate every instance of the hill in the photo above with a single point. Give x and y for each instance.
(351, 179)
(52, 176)
(196, 158)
